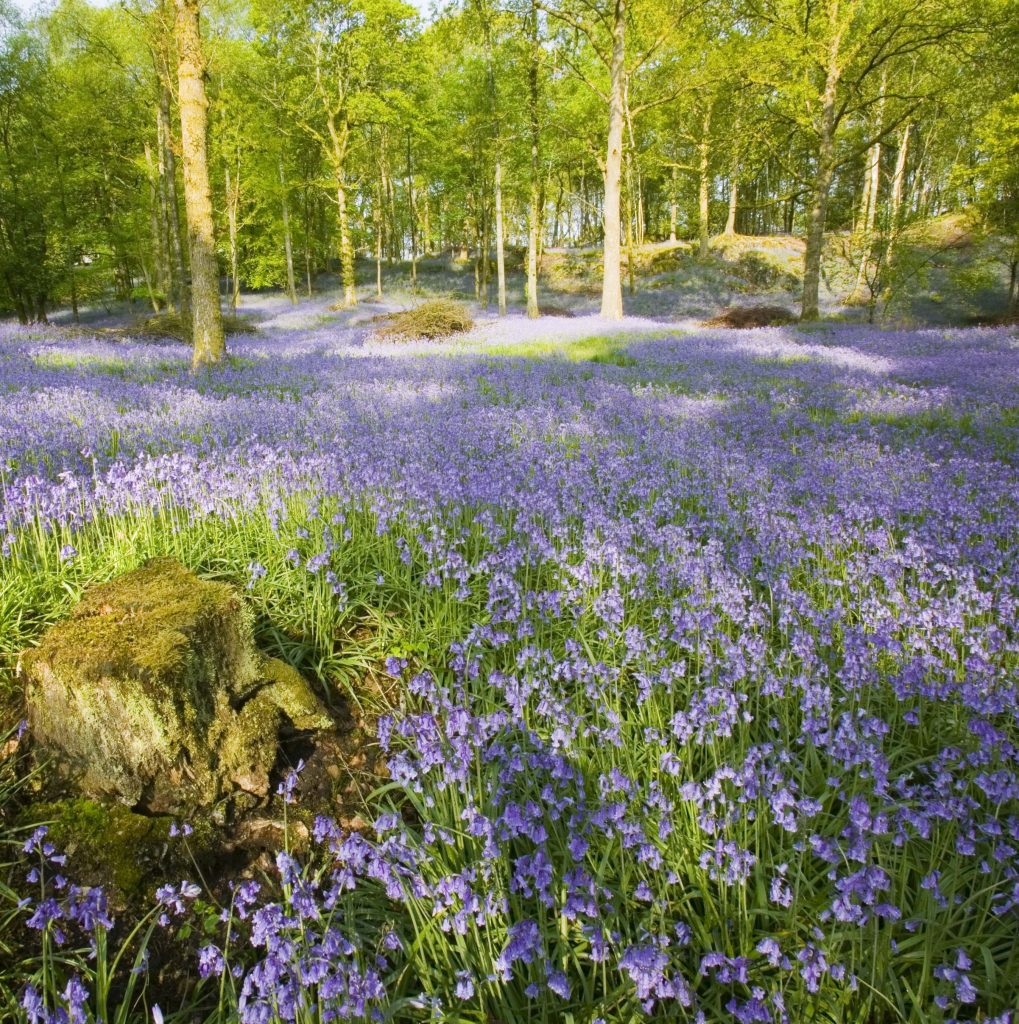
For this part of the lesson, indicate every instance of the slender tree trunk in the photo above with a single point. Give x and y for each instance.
(868, 212)
(612, 289)
(207, 321)
(672, 204)
(534, 210)
(484, 245)
(426, 223)
(346, 245)
(641, 214)
(307, 239)
(500, 251)
(899, 179)
(180, 291)
(493, 99)
(71, 253)
(822, 184)
(233, 188)
(413, 218)
(157, 228)
(631, 285)
(730, 221)
(704, 184)
(153, 301)
(288, 243)
(339, 135)
(377, 226)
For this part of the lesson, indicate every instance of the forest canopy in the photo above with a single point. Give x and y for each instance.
(492, 129)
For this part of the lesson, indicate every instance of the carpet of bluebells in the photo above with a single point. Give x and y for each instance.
(708, 689)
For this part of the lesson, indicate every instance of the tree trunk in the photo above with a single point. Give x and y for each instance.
(157, 228)
(153, 300)
(346, 246)
(672, 204)
(500, 251)
(822, 185)
(339, 136)
(630, 284)
(899, 179)
(704, 184)
(180, 292)
(377, 225)
(288, 244)
(730, 221)
(534, 210)
(413, 218)
(307, 239)
(641, 212)
(207, 321)
(484, 244)
(612, 288)
(233, 189)
(426, 224)
(493, 99)
(868, 212)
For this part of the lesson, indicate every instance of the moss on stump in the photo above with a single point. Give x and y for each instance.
(152, 693)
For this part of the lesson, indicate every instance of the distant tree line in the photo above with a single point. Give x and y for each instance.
(333, 129)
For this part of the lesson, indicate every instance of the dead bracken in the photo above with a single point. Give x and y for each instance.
(752, 316)
(437, 318)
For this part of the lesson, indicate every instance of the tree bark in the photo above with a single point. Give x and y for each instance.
(377, 224)
(233, 190)
(346, 245)
(899, 179)
(730, 221)
(179, 295)
(288, 244)
(157, 226)
(500, 251)
(704, 184)
(630, 283)
(534, 209)
(413, 218)
(822, 185)
(339, 137)
(672, 204)
(612, 289)
(868, 212)
(207, 319)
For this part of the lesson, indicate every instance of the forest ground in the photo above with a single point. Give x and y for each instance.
(949, 274)
(784, 544)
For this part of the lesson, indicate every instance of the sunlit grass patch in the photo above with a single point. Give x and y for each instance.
(601, 348)
(107, 366)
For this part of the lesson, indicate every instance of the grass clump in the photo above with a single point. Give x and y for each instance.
(437, 318)
(752, 316)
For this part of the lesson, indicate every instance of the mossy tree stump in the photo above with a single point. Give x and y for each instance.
(152, 693)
